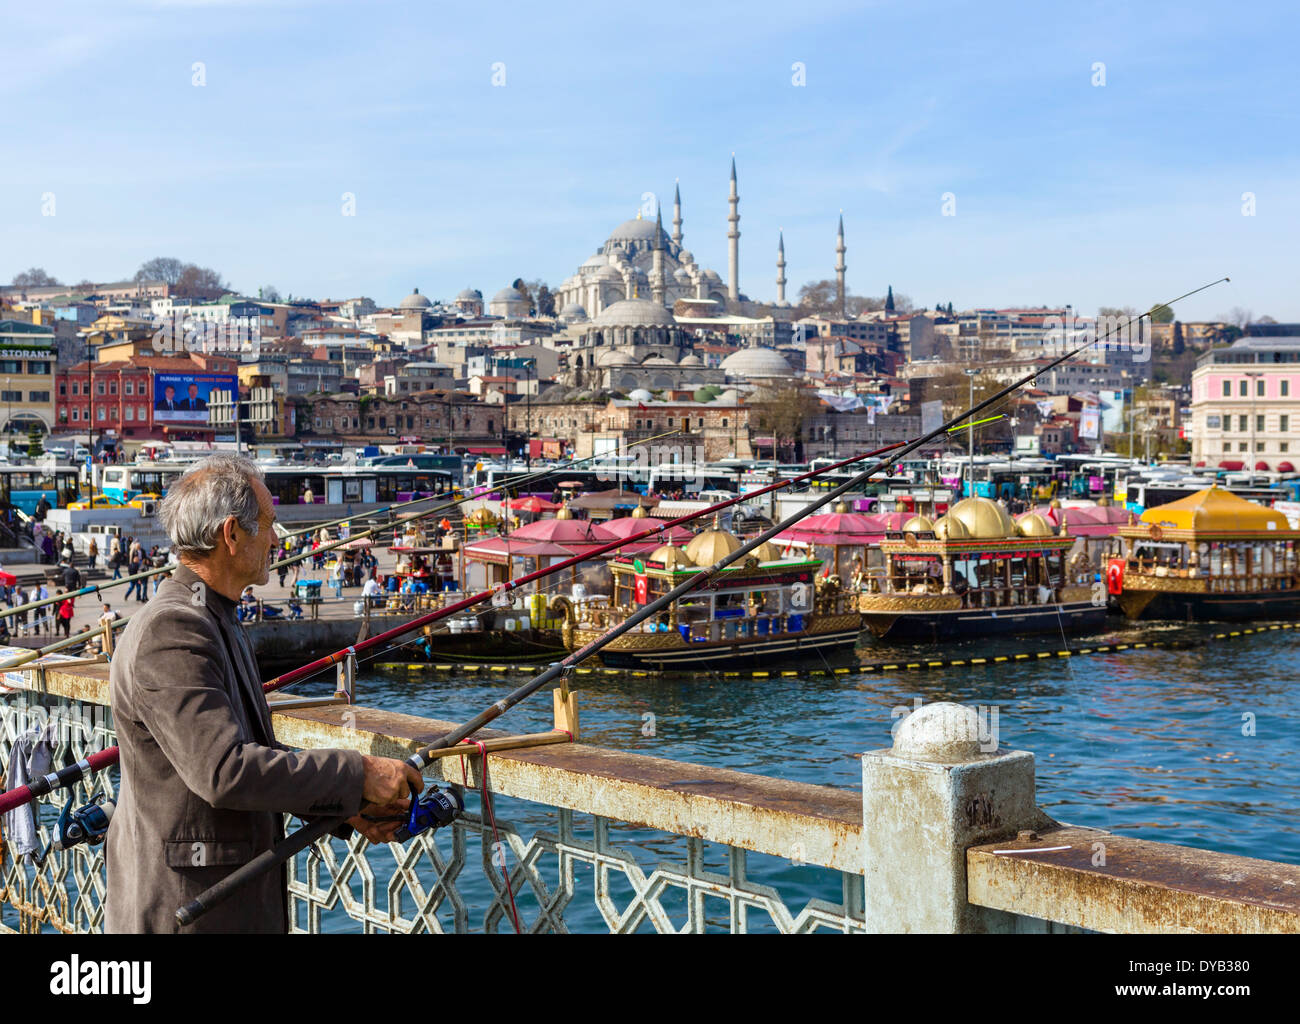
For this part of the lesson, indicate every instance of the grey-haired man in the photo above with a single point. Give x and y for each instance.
(204, 782)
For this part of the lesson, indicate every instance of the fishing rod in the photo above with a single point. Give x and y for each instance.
(304, 837)
(98, 588)
(108, 757)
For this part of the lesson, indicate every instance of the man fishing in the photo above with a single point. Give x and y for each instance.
(204, 782)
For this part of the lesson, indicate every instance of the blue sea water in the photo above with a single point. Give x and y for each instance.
(1194, 745)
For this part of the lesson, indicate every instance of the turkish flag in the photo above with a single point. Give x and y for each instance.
(641, 594)
(1115, 576)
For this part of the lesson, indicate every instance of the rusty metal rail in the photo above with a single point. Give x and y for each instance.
(1114, 883)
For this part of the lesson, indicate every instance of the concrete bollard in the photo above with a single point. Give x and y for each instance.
(924, 802)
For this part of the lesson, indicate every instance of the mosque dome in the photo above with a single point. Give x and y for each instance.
(640, 395)
(711, 545)
(615, 357)
(636, 313)
(756, 362)
(984, 519)
(950, 528)
(508, 295)
(638, 229)
(415, 301)
(595, 262)
(608, 273)
(657, 361)
(465, 295)
(682, 274)
(712, 275)
(573, 312)
(691, 360)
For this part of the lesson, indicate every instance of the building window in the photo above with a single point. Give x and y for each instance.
(76, 387)
(63, 390)
(76, 415)
(11, 396)
(112, 387)
(140, 413)
(1285, 387)
(1282, 447)
(129, 412)
(128, 387)
(38, 368)
(1283, 423)
(1241, 446)
(1259, 388)
(1259, 423)
(99, 389)
(1241, 388)
(1243, 424)
(99, 412)
(38, 396)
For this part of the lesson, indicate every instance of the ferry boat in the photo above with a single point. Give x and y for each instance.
(1211, 555)
(762, 610)
(975, 571)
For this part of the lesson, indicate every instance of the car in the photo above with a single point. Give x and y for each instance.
(98, 501)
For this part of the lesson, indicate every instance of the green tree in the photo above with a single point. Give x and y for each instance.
(1161, 314)
(35, 446)
(786, 408)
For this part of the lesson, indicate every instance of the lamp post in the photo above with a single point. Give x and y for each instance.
(529, 366)
(970, 430)
(9, 412)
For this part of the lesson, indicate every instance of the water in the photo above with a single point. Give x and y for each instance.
(1151, 743)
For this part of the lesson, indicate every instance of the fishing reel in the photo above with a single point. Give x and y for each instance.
(438, 807)
(88, 824)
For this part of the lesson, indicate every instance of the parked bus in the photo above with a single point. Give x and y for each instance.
(24, 486)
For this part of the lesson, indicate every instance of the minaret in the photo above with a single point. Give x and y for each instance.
(780, 269)
(733, 236)
(657, 266)
(677, 214)
(840, 268)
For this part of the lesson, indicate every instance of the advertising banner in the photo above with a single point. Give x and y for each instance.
(184, 397)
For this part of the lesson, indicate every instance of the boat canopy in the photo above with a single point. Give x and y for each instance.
(1210, 512)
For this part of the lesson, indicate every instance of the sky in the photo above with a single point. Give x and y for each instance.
(989, 155)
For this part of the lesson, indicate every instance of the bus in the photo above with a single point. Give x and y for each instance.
(128, 481)
(22, 487)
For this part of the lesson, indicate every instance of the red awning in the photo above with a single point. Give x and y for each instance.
(1285, 467)
(1201, 463)
(1261, 465)
(487, 451)
(1231, 464)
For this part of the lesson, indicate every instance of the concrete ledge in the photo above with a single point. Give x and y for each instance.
(1142, 886)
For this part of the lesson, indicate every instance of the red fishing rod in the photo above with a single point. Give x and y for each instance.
(108, 757)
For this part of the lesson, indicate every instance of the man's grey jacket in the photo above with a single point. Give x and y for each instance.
(204, 783)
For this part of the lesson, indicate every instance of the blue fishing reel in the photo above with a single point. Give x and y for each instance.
(438, 807)
(88, 824)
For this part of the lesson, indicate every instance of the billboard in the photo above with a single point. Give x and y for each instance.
(184, 397)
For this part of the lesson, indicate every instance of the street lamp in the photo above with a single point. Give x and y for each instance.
(9, 413)
(529, 366)
(970, 429)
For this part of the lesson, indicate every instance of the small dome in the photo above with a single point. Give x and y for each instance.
(672, 557)
(564, 512)
(691, 360)
(756, 362)
(918, 524)
(635, 313)
(682, 275)
(657, 361)
(467, 295)
(608, 273)
(640, 395)
(985, 519)
(595, 262)
(711, 545)
(640, 512)
(508, 295)
(638, 229)
(685, 256)
(712, 275)
(948, 528)
(415, 301)
(573, 312)
(841, 507)
(1033, 525)
(768, 552)
(614, 357)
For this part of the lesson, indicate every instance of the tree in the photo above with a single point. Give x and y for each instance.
(1238, 317)
(268, 293)
(84, 286)
(1161, 314)
(1179, 345)
(197, 282)
(1117, 312)
(36, 277)
(35, 447)
(545, 301)
(1266, 320)
(160, 268)
(786, 408)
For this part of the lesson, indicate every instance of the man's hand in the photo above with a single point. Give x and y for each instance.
(388, 779)
(382, 831)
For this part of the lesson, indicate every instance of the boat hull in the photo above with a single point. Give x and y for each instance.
(833, 638)
(933, 625)
(1193, 607)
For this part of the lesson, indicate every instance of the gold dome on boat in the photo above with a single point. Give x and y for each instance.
(671, 557)
(918, 524)
(1033, 525)
(564, 512)
(950, 528)
(767, 552)
(711, 545)
(984, 519)
(482, 517)
(841, 507)
(639, 512)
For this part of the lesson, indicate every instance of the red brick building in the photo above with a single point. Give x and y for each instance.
(114, 400)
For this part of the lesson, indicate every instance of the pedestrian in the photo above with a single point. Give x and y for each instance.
(108, 615)
(66, 611)
(195, 733)
(115, 558)
(336, 578)
(45, 615)
(92, 553)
